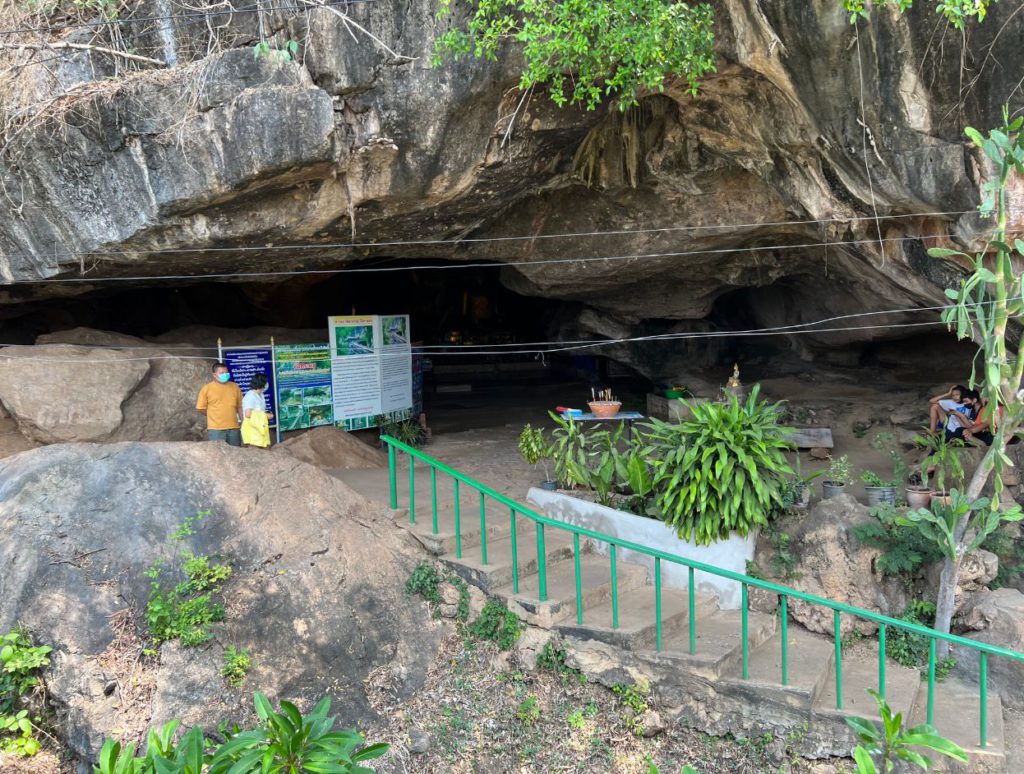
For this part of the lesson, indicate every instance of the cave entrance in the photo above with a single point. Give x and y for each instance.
(499, 377)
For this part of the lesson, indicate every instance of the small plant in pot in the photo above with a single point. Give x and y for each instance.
(837, 477)
(535, 449)
(796, 493)
(879, 490)
(941, 462)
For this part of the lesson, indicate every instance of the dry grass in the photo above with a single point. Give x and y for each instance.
(484, 712)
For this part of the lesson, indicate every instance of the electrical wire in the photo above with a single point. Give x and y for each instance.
(533, 351)
(722, 227)
(459, 266)
(187, 15)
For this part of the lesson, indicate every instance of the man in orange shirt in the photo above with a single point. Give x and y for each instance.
(221, 401)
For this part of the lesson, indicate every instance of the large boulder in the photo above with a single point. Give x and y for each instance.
(832, 563)
(316, 594)
(997, 618)
(114, 388)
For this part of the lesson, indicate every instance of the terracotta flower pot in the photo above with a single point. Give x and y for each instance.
(604, 409)
(942, 498)
(918, 497)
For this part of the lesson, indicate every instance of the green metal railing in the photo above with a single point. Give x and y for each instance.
(746, 582)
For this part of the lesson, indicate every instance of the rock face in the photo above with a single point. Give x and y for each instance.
(833, 564)
(316, 595)
(59, 391)
(809, 130)
(995, 617)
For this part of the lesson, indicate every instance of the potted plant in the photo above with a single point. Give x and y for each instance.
(942, 460)
(535, 449)
(721, 472)
(800, 493)
(837, 478)
(880, 490)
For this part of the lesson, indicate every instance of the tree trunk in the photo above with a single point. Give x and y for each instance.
(945, 603)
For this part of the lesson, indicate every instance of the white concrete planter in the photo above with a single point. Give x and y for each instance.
(732, 554)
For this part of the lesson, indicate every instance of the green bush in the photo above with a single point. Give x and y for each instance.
(20, 664)
(721, 471)
(425, 580)
(185, 610)
(911, 650)
(285, 740)
(905, 551)
(497, 624)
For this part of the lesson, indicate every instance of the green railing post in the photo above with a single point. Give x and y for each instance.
(483, 530)
(458, 521)
(392, 477)
(837, 632)
(579, 579)
(433, 496)
(412, 490)
(784, 620)
(542, 565)
(615, 589)
(983, 698)
(657, 603)
(931, 681)
(881, 660)
(692, 612)
(515, 553)
(885, 623)
(744, 625)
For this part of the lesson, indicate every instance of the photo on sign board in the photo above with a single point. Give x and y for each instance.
(321, 415)
(291, 397)
(354, 340)
(396, 331)
(317, 396)
(294, 417)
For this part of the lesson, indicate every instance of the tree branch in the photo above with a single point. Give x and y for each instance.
(56, 46)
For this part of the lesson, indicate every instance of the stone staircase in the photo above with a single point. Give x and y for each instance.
(709, 683)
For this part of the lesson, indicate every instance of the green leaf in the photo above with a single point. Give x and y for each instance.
(863, 760)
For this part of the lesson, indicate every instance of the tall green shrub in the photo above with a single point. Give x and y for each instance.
(720, 471)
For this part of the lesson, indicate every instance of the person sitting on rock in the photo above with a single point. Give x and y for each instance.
(941, 405)
(959, 420)
(981, 428)
(221, 401)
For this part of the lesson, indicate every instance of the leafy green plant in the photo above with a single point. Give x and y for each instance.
(905, 551)
(956, 12)
(286, 54)
(528, 711)
(633, 698)
(570, 452)
(497, 624)
(721, 471)
(535, 449)
(408, 431)
(20, 664)
(910, 649)
(883, 745)
(886, 442)
(784, 559)
(838, 470)
(185, 610)
(942, 457)
(552, 658)
(1006, 543)
(237, 662)
(285, 740)
(425, 580)
(583, 51)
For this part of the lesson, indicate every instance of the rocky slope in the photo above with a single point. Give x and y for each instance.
(808, 119)
(316, 593)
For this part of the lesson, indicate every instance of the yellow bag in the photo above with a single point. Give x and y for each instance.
(256, 429)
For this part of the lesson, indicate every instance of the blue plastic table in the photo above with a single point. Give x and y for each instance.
(629, 417)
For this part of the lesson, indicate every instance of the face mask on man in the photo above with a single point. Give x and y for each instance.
(222, 378)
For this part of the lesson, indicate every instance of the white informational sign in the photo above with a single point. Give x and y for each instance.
(371, 368)
(395, 364)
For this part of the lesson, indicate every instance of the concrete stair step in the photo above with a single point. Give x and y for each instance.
(860, 672)
(957, 716)
(809, 662)
(558, 545)
(595, 588)
(445, 541)
(718, 642)
(637, 628)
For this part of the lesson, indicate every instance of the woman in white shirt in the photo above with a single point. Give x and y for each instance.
(255, 417)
